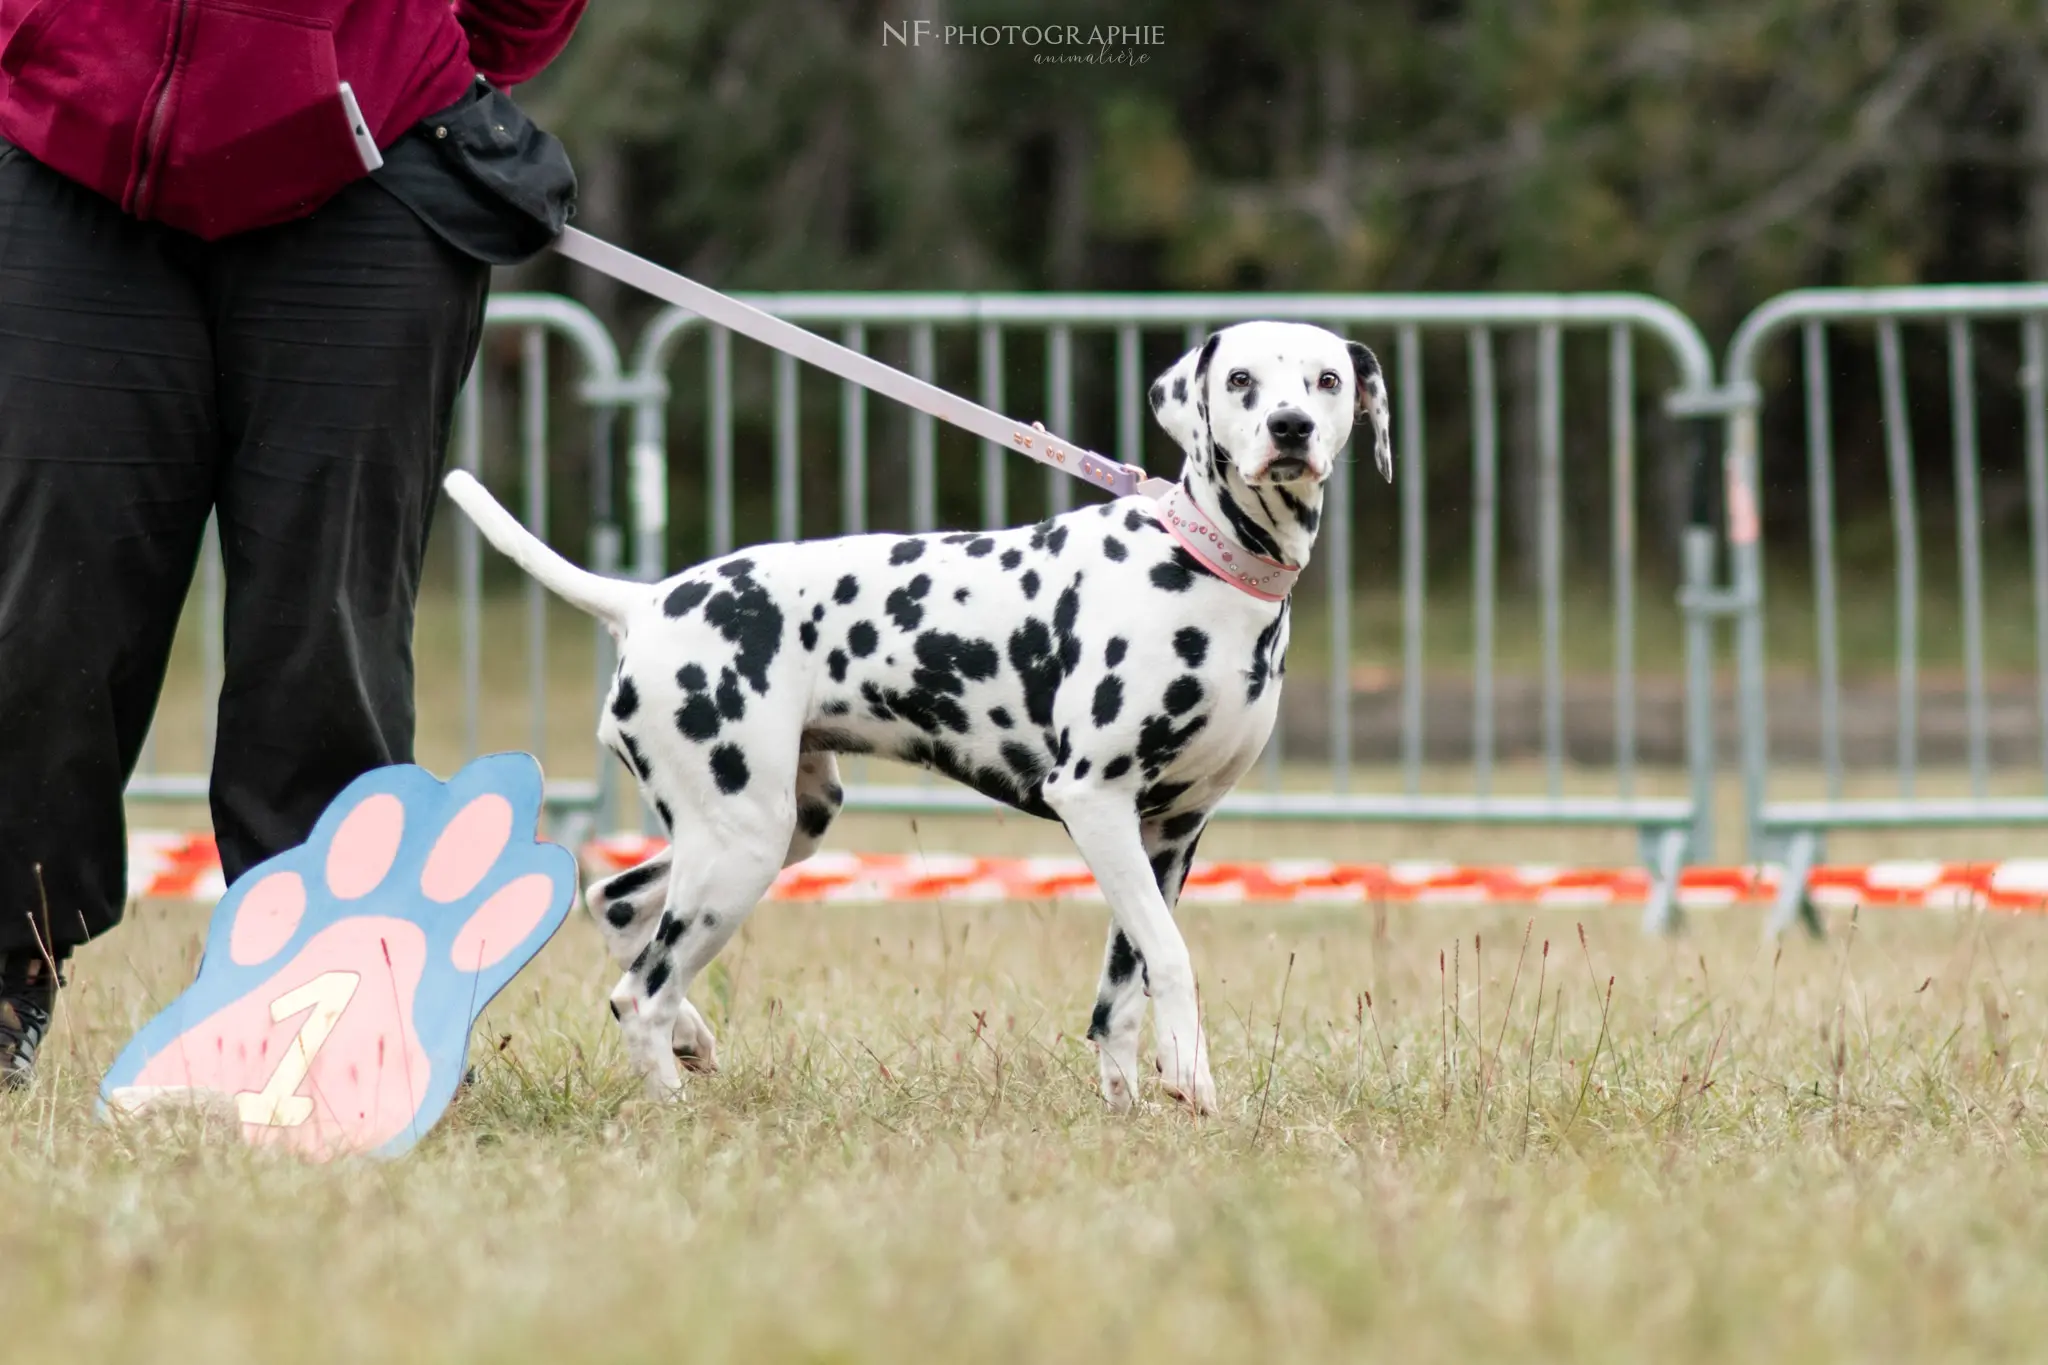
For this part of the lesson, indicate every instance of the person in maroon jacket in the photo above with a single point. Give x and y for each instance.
(244, 252)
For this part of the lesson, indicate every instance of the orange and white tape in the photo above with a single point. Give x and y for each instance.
(186, 867)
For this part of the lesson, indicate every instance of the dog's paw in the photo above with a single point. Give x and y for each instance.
(1191, 1086)
(342, 978)
(692, 1042)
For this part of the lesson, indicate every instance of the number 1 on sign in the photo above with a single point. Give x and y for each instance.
(277, 1105)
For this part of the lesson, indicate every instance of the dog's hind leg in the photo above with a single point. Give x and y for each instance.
(1120, 998)
(729, 844)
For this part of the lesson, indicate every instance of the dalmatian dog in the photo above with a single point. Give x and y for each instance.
(1088, 669)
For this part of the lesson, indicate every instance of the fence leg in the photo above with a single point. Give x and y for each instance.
(1794, 905)
(1663, 914)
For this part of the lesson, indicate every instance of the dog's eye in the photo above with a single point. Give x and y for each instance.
(1331, 381)
(1240, 379)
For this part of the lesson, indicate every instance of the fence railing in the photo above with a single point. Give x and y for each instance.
(1443, 354)
(1791, 833)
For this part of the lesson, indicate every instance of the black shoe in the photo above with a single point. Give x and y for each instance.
(28, 992)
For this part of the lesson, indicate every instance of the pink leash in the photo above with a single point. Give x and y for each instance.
(1211, 544)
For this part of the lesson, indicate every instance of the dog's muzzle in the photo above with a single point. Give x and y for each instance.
(1290, 430)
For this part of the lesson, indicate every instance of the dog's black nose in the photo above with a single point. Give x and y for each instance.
(1290, 427)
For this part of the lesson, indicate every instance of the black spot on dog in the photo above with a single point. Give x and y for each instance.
(906, 552)
(1117, 767)
(1029, 582)
(813, 818)
(1180, 388)
(1123, 960)
(1065, 748)
(1178, 571)
(1160, 743)
(1011, 559)
(1114, 548)
(958, 538)
(670, 929)
(632, 881)
(697, 717)
(1039, 670)
(863, 639)
(1109, 700)
(1262, 657)
(835, 795)
(618, 915)
(808, 633)
(1192, 644)
(848, 589)
(729, 769)
(835, 663)
(657, 977)
(980, 547)
(838, 706)
(1181, 826)
(991, 782)
(1081, 769)
(947, 663)
(635, 759)
(959, 594)
(1251, 395)
(1183, 694)
(1001, 719)
(736, 569)
(1135, 521)
(1050, 537)
(1162, 867)
(683, 599)
(732, 703)
(748, 617)
(691, 678)
(1160, 797)
(818, 612)
(1306, 517)
(625, 699)
(1098, 1022)
(668, 818)
(1114, 655)
(1024, 760)
(1249, 532)
(1157, 393)
(1065, 613)
(903, 603)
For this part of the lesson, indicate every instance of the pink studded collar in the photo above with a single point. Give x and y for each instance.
(1266, 579)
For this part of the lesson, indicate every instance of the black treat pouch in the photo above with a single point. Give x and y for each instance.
(484, 177)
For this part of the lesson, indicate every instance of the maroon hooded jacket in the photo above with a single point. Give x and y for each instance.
(218, 116)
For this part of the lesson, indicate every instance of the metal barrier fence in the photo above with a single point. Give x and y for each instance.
(1791, 833)
(1140, 334)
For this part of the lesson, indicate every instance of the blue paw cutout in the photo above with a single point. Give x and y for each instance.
(333, 1008)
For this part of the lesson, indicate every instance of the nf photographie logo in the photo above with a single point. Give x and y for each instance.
(1097, 45)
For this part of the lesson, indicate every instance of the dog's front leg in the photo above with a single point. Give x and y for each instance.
(1105, 828)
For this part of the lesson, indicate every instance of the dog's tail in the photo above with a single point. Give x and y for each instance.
(608, 599)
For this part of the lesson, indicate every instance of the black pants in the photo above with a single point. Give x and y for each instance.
(301, 381)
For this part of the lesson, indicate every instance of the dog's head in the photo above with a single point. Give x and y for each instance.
(1276, 401)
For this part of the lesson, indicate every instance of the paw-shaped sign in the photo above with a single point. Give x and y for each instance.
(333, 1007)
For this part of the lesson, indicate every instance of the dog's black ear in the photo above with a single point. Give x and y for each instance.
(1369, 402)
(1178, 396)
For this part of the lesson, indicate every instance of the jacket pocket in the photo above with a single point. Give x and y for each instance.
(254, 132)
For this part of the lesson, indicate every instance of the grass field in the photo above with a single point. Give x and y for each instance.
(1615, 1149)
